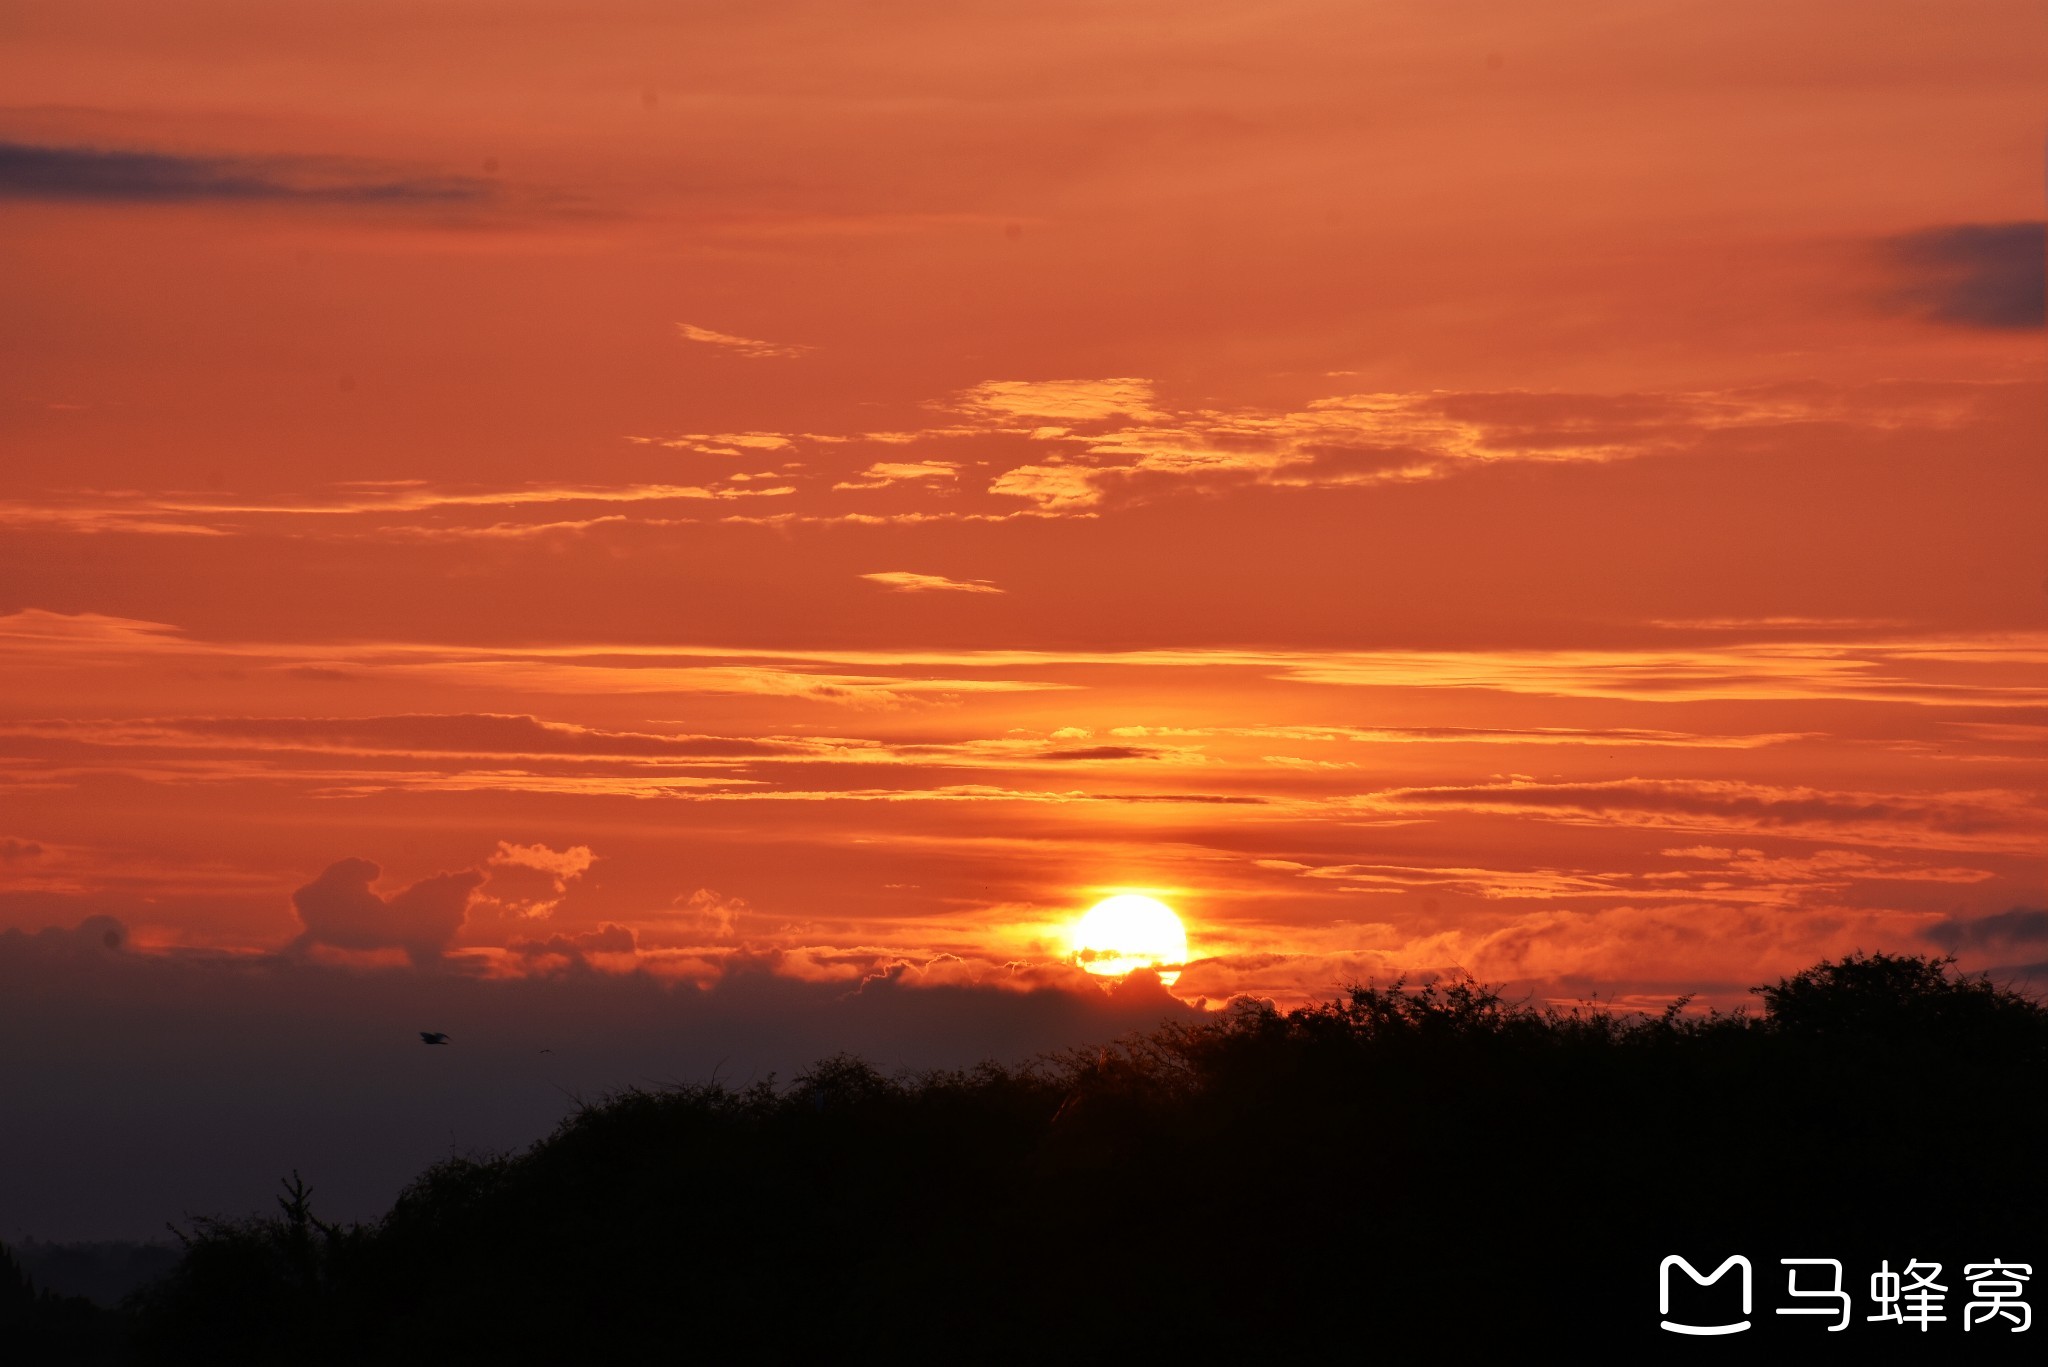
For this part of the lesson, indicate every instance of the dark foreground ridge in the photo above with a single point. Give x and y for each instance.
(1396, 1169)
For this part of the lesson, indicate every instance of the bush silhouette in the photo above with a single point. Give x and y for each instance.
(1889, 1001)
(1400, 1166)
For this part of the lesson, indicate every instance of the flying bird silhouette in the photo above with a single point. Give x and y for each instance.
(433, 1037)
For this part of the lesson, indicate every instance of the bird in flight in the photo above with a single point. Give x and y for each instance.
(433, 1037)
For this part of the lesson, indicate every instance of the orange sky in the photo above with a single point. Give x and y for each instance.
(841, 487)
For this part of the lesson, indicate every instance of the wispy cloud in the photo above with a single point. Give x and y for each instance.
(1973, 671)
(1610, 737)
(1054, 488)
(750, 347)
(1060, 401)
(882, 474)
(214, 515)
(904, 581)
(1712, 875)
(1099, 459)
(722, 443)
(1362, 440)
(1988, 820)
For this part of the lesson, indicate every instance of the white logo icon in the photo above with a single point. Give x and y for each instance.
(1664, 1293)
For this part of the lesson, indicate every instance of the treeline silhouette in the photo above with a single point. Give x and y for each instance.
(1401, 1166)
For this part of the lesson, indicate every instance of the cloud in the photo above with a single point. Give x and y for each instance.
(1365, 440)
(1294, 978)
(882, 474)
(1054, 488)
(1922, 670)
(387, 503)
(2003, 930)
(1984, 275)
(606, 939)
(89, 174)
(420, 733)
(1561, 952)
(1113, 446)
(1901, 670)
(711, 913)
(562, 864)
(1745, 876)
(904, 581)
(1987, 820)
(1731, 944)
(1611, 737)
(85, 633)
(91, 937)
(1060, 400)
(750, 347)
(721, 443)
(529, 881)
(61, 640)
(340, 910)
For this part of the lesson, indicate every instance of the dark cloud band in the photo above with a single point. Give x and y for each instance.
(1986, 275)
(28, 171)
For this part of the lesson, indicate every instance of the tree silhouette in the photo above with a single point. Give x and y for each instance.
(1884, 1001)
(1404, 1166)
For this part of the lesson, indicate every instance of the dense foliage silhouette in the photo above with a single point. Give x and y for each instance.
(1400, 1166)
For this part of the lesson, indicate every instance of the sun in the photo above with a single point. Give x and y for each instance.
(1130, 931)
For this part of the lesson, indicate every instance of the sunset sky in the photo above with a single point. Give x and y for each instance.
(580, 517)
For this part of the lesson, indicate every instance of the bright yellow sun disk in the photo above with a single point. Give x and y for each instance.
(1127, 932)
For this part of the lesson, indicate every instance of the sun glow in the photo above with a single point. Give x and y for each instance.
(1127, 932)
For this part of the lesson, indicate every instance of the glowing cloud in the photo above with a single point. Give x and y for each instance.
(884, 473)
(750, 347)
(1061, 400)
(905, 581)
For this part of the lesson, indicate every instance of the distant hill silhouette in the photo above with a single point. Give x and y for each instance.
(38, 1325)
(1398, 1169)
(101, 1271)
